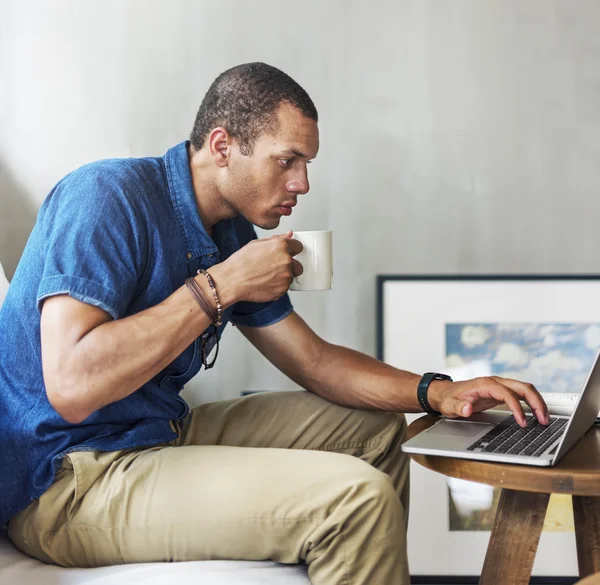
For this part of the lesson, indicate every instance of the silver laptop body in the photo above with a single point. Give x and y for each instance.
(491, 436)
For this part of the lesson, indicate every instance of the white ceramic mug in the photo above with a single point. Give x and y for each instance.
(316, 259)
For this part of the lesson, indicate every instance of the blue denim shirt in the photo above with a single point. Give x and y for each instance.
(122, 235)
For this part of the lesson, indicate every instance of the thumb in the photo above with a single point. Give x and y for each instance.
(464, 409)
(285, 236)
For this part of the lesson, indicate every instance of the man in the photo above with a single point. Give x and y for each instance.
(109, 315)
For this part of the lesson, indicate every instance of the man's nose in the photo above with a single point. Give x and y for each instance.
(298, 185)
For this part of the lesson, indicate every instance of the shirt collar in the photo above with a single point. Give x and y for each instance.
(198, 242)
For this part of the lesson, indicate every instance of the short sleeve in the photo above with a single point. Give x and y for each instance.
(250, 314)
(261, 314)
(95, 247)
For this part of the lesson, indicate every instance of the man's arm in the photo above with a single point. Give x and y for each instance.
(351, 378)
(90, 360)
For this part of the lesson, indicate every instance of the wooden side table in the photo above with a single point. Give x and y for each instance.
(523, 501)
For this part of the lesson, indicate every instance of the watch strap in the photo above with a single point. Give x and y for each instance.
(423, 387)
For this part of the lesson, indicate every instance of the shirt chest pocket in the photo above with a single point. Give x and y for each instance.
(188, 364)
(184, 367)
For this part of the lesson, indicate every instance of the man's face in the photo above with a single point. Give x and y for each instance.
(265, 186)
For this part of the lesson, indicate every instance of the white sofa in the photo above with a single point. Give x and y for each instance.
(19, 569)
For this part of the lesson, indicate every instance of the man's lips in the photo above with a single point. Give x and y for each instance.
(286, 208)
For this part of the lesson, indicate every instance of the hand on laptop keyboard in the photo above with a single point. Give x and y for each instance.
(464, 398)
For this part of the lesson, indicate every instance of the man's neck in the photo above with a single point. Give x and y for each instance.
(212, 207)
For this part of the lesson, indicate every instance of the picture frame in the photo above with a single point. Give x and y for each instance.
(417, 315)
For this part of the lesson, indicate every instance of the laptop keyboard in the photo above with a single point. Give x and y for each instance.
(511, 439)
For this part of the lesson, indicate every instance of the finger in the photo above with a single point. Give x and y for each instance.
(530, 394)
(505, 394)
(536, 403)
(286, 236)
(297, 268)
(464, 409)
(464, 406)
(294, 247)
(458, 407)
(269, 238)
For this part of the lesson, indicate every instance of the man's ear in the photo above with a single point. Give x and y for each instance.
(219, 143)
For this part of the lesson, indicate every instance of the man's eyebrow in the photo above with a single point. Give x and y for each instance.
(295, 152)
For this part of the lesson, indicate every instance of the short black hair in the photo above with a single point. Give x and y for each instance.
(244, 100)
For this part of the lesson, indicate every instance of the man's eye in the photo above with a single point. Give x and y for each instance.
(286, 162)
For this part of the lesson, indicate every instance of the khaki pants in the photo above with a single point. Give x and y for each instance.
(286, 476)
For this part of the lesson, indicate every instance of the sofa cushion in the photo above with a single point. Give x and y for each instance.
(19, 569)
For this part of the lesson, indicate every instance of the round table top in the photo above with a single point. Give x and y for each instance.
(577, 473)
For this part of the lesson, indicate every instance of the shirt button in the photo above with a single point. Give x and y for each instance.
(189, 255)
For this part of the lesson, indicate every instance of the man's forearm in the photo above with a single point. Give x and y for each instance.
(351, 378)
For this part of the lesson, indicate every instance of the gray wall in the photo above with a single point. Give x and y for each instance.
(458, 136)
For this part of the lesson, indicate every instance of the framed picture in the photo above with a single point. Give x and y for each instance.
(539, 329)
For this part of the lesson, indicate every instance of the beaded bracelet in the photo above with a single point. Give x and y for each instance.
(213, 287)
(196, 291)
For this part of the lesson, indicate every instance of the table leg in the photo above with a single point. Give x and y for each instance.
(514, 539)
(586, 512)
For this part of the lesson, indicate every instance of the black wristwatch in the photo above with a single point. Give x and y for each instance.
(424, 386)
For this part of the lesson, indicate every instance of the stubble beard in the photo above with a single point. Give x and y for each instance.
(249, 199)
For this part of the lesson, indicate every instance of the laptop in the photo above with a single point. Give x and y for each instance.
(494, 435)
